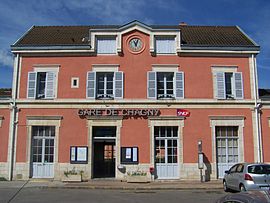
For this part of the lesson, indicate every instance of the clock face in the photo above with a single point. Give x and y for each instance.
(135, 44)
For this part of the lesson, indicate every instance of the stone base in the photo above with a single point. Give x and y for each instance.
(72, 178)
(138, 179)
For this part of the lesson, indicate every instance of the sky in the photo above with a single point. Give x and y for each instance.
(252, 16)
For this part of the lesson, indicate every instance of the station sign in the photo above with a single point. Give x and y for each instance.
(119, 112)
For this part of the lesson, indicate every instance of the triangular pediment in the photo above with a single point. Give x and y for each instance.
(135, 25)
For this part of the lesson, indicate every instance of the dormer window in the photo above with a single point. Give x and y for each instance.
(165, 44)
(106, 45)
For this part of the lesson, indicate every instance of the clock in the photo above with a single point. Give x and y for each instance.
(135, 44)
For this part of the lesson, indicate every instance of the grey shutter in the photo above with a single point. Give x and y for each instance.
(91, 85)
(238, 84)
(151, 85)
(118, 85)
(179, 85)
(32, 84)
(50, 85)
(220, 85)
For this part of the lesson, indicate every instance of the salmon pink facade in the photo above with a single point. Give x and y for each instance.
(114, 101)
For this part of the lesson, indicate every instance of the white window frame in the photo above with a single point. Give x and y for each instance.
(48, 69)
(72, 82)
(225, 69)
(105, 85)
(227, 121)
(171, 68)
(98, 37)
(157, 37)
(165, 86)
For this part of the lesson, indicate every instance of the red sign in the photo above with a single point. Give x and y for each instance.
(183, 112)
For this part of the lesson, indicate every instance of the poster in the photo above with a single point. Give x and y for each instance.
(135, 154)
(73, 154)
(128, 153)
(81, 154)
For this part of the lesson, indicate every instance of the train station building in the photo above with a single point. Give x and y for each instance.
(114, 101)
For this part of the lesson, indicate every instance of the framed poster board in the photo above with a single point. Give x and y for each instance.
(78, 155)
(129, 155)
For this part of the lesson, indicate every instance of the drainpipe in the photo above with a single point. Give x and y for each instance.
(13, 117)
(257, 107)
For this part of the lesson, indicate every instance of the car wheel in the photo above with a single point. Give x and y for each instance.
(242, 188)
(226, 189)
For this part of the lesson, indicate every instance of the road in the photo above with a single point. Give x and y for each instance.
(29, 195)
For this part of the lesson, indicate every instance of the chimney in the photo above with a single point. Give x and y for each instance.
(182, 23)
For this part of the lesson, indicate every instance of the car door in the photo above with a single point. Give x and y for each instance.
(231, 177)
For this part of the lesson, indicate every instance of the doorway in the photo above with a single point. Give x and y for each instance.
(43, 151)
(104, 152)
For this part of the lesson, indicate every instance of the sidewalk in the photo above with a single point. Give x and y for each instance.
(116, 185)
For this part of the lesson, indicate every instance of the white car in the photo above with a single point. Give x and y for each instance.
(247, 176)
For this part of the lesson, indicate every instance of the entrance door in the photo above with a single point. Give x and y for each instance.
(226, 148)
(104, 152)
(104, 159)
(166, 152)
(43, 151)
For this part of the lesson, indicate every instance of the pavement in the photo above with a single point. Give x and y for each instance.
(116, 185)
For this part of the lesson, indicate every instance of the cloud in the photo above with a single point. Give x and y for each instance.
(6, 58)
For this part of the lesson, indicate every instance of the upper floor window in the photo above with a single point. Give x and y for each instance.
(165, 85)
(105, 85)
(229, 85)
(41, 85)
(106, 45)
(165, 45)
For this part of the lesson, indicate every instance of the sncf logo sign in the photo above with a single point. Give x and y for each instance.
(183, 112)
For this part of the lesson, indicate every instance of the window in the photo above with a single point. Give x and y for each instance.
(229, 85)
(165, 45)
(41, 85)
(106, 45)
(165, 85)
(74, 82)
(105, 85)
(227, 144)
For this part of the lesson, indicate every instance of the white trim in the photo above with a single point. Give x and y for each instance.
(223, 68)
(1, 119)
(165, 67)
(167, 122)
(269, 121)
(118, 124)
(30, 123)
(227, 121)
(46, 69)
(72, 82)
(105, 67)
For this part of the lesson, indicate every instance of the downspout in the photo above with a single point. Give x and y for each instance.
(257, 107)
(13, 107)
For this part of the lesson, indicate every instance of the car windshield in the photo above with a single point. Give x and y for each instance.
(259, 169)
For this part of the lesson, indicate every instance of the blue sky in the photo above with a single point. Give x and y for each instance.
(16, 17)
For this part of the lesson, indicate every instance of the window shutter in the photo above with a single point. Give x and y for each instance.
(151, 85)
(118, 85)
(32, 84)
(238, 84)
(50, 85)
(91, 85)
(220, 85)
(179, 85)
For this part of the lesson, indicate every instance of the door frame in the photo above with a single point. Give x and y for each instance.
(167, 121)
(43, 138)
(42, 121)
(99, 122)
(226, 121)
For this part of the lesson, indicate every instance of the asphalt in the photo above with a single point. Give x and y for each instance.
(116, 185)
